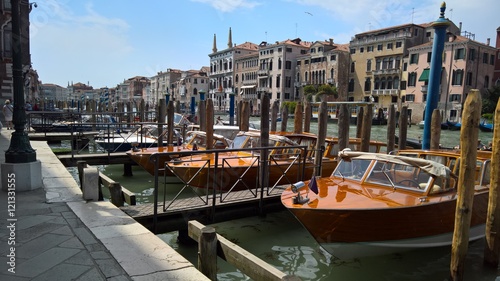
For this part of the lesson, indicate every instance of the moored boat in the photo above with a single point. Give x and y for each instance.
(376, 204)
(239, 168)
(195, 140)
(485, 126)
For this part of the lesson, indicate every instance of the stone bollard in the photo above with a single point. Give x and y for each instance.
(90, 184)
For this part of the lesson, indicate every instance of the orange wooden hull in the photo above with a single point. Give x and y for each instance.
(242, 172)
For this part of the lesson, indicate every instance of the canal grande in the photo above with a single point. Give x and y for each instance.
(279, 239)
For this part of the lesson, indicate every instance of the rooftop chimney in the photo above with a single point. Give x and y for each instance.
(488, 41)
(460, 27)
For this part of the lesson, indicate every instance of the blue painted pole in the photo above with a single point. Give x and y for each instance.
(202, 95)
(167, 98)
(231, 109)
(440, 27)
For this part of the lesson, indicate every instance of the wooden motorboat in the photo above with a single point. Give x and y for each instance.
(238, 169)
(375, 204)
(196, 140)
(486, 126)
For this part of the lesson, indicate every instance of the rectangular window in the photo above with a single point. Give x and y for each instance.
(455, 98)
(369, 49)
(288, 50)
(469, 79)
(424, 97)
(280, 50)
(353, 50)
(333, 57)
(353, 67)
(379, 47)
(414, 59)
(457, 77)
(472, 54)
(412, 79)
(428, 34)
(399, 44)
(492, 59)
(429, 56)
(485, 57)
(389, 46)
(410, 98)
(361, 50)
(288, 64)
(288, 81)
(460, 54)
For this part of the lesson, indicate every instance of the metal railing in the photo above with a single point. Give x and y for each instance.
(225, 181)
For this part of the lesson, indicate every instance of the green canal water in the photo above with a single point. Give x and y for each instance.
(280, 240)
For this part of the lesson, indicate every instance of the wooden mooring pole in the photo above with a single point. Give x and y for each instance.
(492, 248)
(297, 121)
(307, 117)
(284, 118)
(207, 252)
(391, 128)
(435, 129)
(466, 182)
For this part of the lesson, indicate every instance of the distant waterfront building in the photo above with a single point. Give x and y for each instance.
(245, 81)
(221, 73)
(163, 83)
(467, 64)
(376, 67)
(325, 63)
(189, 85)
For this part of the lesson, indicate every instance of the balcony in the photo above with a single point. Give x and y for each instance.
(263, 72)
(386, 92)
(389, 71)
(263, 89)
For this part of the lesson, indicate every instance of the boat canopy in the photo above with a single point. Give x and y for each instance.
(431, 167)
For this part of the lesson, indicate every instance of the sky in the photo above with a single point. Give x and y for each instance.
(102, 43)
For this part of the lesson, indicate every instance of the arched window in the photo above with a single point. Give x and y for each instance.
(368, 65)
(389, 83)
(351, 85)
(331, 73)
(486, 81)
(377, 84)
(382, 84)
(368, 84)
(395, 83)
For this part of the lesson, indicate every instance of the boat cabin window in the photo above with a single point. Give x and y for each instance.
(484, 172)
(353, 169)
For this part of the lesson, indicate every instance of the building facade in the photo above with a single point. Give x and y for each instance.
(467, 64)
(376, 67)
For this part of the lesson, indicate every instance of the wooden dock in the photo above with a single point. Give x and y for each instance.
(233, 205)
(60, 136)
(69, 160)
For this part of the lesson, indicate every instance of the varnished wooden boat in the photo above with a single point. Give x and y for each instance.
(195, 139)
(238, 170)
(375, 204)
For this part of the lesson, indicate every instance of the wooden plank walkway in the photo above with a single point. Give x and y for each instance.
(60, 136)
(96, 159)
(236, 204)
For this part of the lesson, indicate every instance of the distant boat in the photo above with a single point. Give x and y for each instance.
(485, 126)
(453, 126)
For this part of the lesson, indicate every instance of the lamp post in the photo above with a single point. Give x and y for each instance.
(20, 150)
(20, 158)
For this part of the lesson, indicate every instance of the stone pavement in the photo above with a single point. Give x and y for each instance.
(55, 235)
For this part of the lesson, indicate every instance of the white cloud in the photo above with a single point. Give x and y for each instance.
(229, 5)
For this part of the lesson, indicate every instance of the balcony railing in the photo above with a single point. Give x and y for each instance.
(263, 72)
(386, 92)
(387, 71)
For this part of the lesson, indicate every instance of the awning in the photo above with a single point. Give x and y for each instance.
(425, 75)
(248, 86)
